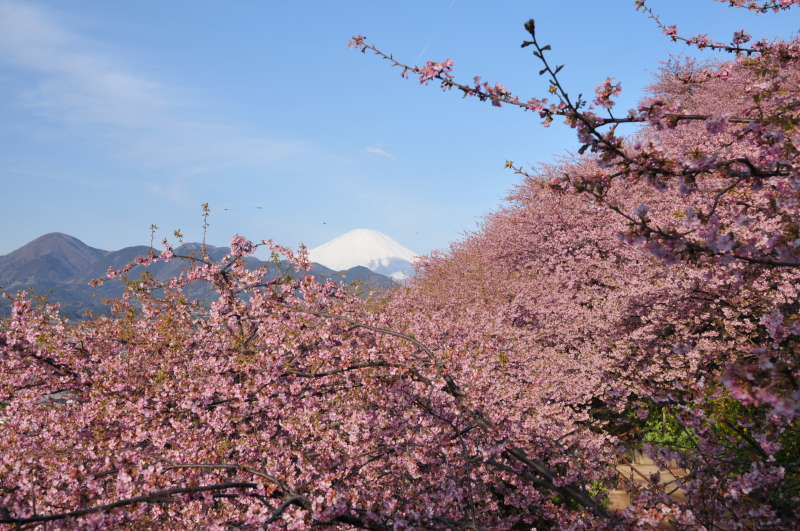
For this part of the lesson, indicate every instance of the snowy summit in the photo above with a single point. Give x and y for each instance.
(365, 247)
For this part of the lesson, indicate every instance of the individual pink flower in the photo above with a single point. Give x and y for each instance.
(741, 37)
(641, 211)
(717, 124)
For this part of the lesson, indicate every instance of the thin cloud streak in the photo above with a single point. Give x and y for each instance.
(75, 82)
(78, 85)
(379, 152)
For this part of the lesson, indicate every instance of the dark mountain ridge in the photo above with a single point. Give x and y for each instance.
(61, 266)
(51, 258)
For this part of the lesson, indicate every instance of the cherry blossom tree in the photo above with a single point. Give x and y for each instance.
(651, 275)
(723, 135)
(285, 403)
(712, 175)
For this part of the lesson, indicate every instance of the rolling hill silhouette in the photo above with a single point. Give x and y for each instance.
(61, 266)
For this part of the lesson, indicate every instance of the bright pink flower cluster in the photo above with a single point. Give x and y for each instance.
(605, 91)
(433, 70)
(741, 37)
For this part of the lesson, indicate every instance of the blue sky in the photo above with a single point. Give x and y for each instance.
(118, 115)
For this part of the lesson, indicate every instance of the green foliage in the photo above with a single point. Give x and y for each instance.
(735, 423)
(663, 428)
(599, 492)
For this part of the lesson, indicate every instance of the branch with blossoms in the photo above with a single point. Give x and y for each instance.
(702, 42)
(358, 518)
(589, 133)
(763, 6)
(154, 497)
(498, 94)
(645, 161)
(644, 233)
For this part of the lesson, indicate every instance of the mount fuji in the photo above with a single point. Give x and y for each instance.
(364, 247)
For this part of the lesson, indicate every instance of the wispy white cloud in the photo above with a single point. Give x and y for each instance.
(379, 152)
(73, 79)
(70, 79)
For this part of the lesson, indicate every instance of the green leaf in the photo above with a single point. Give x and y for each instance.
(537, 54)
(558, 69)
(542, 71)
(546, 48)
(526, 43)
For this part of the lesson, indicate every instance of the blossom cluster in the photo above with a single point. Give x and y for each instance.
(605, 91)
(433, 70)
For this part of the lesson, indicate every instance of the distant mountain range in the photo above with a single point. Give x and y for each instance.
(369, 248)
(64, 265)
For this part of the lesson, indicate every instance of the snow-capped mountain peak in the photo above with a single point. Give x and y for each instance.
(364, 247)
